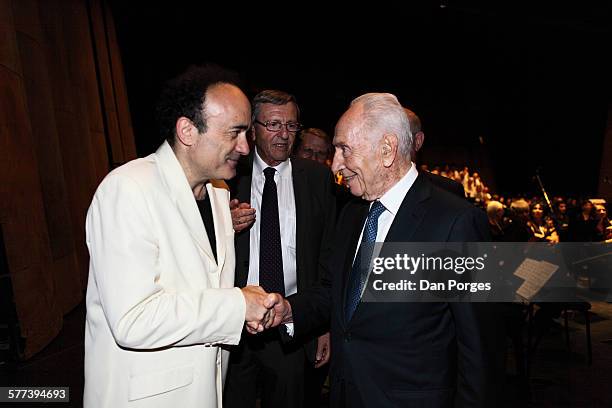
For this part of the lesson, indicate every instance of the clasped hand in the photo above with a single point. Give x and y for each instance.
(264, 310)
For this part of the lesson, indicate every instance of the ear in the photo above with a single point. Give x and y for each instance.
(252, 133)
(389, 149)
(419, 138)
(186, 131)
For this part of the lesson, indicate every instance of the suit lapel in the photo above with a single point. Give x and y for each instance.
(302, 202)
(176, 182)
(354, 224)
(215, 190)
(411, 212)
(242, 190)
(243, 193)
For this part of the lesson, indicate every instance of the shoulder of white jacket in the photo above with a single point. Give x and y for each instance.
(142, 171)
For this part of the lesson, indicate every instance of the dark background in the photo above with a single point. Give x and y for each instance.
(506, 90)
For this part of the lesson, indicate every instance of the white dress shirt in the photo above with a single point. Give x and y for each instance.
(286, 213)
(392, 200)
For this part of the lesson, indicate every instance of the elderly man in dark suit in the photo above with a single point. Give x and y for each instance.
(395, 354)
(292, 205)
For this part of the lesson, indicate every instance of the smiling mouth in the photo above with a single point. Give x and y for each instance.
(349, 178)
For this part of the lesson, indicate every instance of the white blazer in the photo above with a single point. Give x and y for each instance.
(158, 305)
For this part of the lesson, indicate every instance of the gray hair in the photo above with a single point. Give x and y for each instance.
(274, 97)
(519, 206)
(493, 207)
(415, 122)
(383, 111)
(315, 132)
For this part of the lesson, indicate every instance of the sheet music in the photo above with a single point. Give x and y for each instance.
(525, 268)
(536, 274)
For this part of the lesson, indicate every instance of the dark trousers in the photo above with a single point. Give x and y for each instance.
(263, 361)
(315, 378)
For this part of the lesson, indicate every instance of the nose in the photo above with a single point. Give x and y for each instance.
(242, 146)
(338, 163)
(284, 133)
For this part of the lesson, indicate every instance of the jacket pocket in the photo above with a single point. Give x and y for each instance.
(149, 384)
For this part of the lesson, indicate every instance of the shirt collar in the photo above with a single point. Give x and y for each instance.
(283, 169)
(392, 199)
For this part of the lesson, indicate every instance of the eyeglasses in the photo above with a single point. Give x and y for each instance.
(276, 126)
(306, 152)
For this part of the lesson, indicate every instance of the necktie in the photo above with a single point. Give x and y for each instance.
(359, 272)
(270, 254)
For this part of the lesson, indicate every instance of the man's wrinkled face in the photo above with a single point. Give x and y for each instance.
(313, 148)
(274, 147)
(357, 158)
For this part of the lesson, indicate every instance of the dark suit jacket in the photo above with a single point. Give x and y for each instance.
(445, 183)
(403, 354)
(315, 207)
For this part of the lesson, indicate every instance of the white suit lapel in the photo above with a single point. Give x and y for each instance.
(176, 182)
(216, 190)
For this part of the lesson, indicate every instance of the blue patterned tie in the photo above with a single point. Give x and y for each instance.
(270, 253)
(358, 273)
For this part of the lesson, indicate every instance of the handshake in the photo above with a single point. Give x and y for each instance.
(264, 310)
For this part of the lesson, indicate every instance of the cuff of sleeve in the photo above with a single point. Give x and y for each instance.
(290, 329)
(236, 323)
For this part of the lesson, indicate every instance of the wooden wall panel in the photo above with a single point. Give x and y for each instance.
(25, 14)
(121, 98)
(56, 131)
(84, 141)
(23, 218)
(9, 54)
(605, 173)
(106, 82)
(44, 131)
(80, 176)
(84, 84)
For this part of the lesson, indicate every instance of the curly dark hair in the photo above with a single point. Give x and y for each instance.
(185, 96)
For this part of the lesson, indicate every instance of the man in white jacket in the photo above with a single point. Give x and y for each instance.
(161, 299)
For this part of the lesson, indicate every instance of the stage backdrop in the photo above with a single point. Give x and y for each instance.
(605, 174)
(64, 122)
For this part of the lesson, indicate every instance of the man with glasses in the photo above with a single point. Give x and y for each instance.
(284, 225)
(314, 145)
